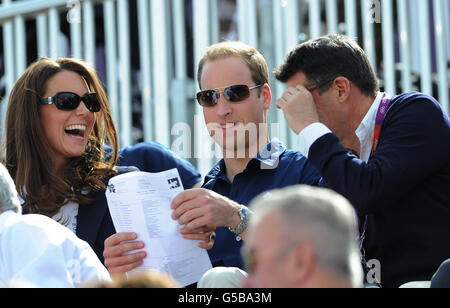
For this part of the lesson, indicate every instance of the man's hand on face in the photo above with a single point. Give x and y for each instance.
(298, 108)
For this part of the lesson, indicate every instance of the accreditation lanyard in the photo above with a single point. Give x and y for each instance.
(381, 114)
(382, 111)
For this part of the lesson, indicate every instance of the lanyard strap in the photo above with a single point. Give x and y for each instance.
(382, 111)
(381, 114)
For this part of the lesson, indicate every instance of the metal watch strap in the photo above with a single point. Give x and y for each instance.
(244, 213)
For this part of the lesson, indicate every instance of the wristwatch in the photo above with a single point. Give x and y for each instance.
(245, 214)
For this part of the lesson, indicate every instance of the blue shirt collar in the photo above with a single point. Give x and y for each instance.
(269, 156)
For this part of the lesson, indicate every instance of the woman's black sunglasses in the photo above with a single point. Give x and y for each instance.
(234, 94)
(71, 101)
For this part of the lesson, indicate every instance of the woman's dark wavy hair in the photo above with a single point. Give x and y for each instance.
(28, 157)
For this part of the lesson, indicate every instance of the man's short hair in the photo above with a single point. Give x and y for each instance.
(252, 57)
(320, 217)
(8, 193)
(328, 57)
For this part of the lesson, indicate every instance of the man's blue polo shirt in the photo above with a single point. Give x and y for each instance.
(274, 167)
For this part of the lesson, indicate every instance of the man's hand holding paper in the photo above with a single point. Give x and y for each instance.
(139, 203)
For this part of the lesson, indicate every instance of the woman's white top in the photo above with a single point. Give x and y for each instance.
(67, 216)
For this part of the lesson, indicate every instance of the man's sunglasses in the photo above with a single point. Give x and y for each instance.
(320, 85)
(71, 101)
(234, 94)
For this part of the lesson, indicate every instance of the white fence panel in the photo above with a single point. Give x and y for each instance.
(152, 94)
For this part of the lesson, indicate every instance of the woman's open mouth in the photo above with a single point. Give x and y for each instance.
(76, 131)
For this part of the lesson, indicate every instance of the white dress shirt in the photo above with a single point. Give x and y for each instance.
(366, 129)
(364, 132)
(36, 250)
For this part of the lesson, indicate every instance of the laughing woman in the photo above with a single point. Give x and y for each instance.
(58, 120)
(58, 123)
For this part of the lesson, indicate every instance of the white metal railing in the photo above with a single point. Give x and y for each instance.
(415, 35)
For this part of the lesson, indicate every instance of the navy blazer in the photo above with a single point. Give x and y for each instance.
(404, 188)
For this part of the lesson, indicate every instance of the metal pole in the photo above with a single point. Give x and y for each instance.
(8, 52)
(388, 50)
(441, 53)
(76, 43)
(111, 59)
(248, 31)
(146, 73)
(126, 122)
(404, 46)
(89, 32)
(314, 17)
(280, 51)
(292, 27)
(351, 19)
(368, 35)
(332, 19)
(42, 35)
(425, 53)
(160, 54)
(54, 32)
(21, 56)
(202, 39)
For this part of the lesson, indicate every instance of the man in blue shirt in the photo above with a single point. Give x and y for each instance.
(236, 98)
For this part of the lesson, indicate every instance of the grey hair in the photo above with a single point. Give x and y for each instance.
(9, 200)
(321, 217)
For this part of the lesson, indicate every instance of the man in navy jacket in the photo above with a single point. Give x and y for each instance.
(389, 156)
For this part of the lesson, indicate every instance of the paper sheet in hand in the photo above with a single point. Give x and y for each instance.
(140, 202)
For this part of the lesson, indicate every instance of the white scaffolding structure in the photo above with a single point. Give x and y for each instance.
(401, 38)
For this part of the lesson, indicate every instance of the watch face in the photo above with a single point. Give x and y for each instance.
(244, 212)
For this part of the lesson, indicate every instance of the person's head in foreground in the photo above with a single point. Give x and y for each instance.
(8, 194)
(36, 251)
(148, 279)
(302, 237)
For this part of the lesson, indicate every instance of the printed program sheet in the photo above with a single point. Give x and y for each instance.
(139, 202)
